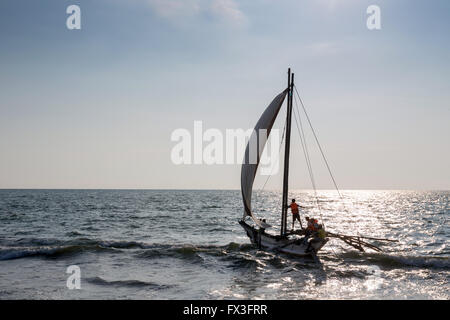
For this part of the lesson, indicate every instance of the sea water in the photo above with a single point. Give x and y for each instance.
(177, 244)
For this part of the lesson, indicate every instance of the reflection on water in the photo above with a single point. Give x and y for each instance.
(188, 245)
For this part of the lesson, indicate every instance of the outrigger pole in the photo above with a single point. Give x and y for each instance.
(283, 229)
(357, 242)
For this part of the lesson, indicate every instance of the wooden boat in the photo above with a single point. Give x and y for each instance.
(295, 243)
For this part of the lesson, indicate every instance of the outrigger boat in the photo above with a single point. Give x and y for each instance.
(290, 242)
(287, 242)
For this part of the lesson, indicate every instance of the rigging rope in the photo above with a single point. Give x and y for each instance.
(304, 147)
(321, 150)
(318, 144)
(307, 158)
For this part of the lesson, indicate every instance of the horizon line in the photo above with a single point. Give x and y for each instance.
(224, 189)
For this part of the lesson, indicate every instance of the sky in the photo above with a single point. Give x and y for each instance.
(96, 107)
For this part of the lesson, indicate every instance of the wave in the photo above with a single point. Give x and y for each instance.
(74, 233)
(49, 252)
(210, 207)
(124, 244)
(52, 248)
(183, 252)
(238, 255)
(193, 253)
(126, 283)
(393, 261)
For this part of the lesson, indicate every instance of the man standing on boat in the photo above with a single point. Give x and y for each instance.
(295, 213)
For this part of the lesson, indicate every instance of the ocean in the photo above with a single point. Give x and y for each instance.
(179, 244)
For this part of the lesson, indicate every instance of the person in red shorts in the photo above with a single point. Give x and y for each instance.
(295, 213)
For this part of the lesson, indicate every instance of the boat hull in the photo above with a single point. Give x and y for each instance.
(298, 247)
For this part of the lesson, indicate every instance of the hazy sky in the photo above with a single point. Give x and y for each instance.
(95, 108)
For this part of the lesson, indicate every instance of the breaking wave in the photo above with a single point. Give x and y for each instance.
(237, 255)
(126, 283)
(394, 261)
(49, 252)
(54, 249)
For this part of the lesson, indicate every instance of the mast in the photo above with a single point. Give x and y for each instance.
(286, 154)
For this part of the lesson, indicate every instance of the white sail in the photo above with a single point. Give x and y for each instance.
(251, 161)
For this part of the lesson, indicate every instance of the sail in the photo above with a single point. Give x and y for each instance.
(255, 144)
